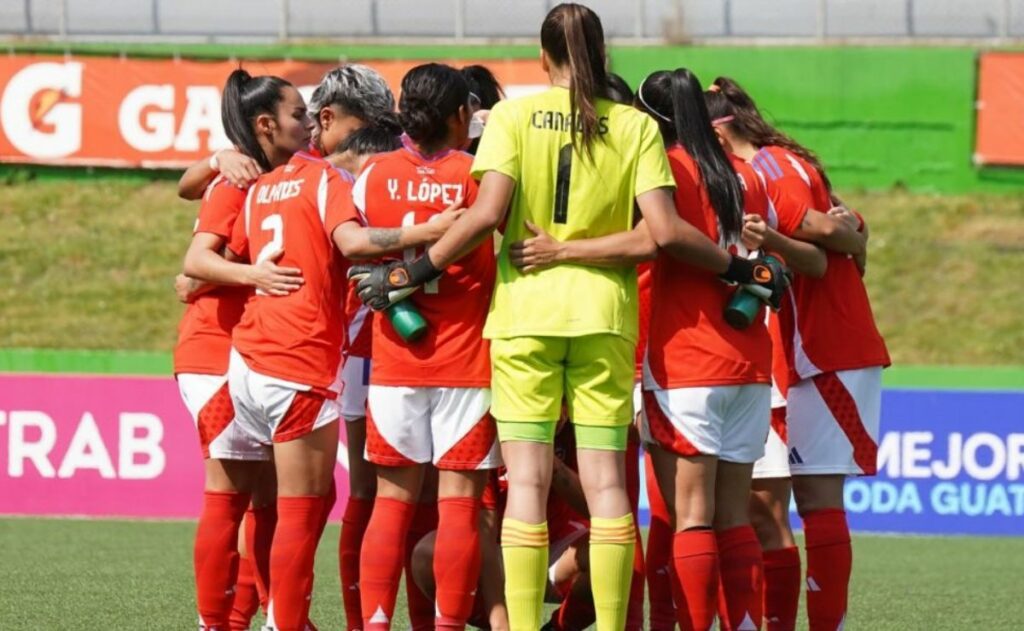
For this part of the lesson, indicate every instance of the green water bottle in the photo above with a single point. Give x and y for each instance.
(742, 309)
(407, 320)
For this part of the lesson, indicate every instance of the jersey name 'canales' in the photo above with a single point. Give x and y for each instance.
(297, 337)
(403, 188)
(570, 193)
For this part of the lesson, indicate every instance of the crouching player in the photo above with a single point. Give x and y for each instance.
(429, 399)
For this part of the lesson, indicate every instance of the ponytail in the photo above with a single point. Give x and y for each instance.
(246, 97)
(573, 38)
(676, 101)
(749, 124)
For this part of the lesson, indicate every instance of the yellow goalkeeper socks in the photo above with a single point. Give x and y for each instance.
(611, 569)
(524, 548)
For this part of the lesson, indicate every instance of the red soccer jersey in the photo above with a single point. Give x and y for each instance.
(832, 327)
(204, 333)
(644, 276)
(358, 325)
(297, 337)
(403, 188)
(690, 343)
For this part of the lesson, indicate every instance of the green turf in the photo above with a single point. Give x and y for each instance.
(80, 574)
(89, 264)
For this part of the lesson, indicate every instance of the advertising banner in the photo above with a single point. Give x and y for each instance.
(999, 132)
(102, 446)
(120, 112)
(950, 462)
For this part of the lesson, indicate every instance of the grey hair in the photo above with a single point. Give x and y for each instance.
(359, 90)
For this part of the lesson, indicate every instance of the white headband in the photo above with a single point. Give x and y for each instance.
(640, 95)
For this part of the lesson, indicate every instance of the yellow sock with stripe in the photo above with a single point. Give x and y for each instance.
(611, 569)
(524, 548)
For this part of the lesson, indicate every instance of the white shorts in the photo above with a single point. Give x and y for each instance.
(220, 435)
(638, 398)
(775, 461)
(273, 410)
(833, 421)
(450, 427)
(730, 422)
(355, 379)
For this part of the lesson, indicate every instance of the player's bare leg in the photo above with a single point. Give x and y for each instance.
(819, 499)
(688, 486)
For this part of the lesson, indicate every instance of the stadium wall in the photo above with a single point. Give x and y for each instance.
(105, 434)
(879, 116)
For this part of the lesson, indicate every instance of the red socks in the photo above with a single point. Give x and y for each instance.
(742, 572)
(299, 523)
(576, 611)
(421, 608)
(695, 560)
(353, 527)
(659, 557)
(260, 524)
(247, 597)
(215, 556)
(381, 560)
(829, 562)
(781, 589)
(456, 561)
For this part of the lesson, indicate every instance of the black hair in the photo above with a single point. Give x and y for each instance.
(573, 38)
(246, 97)
(618, 90)
(676, 101)
(732, 100)
(380, 137)
(483, 84)
(431, 94)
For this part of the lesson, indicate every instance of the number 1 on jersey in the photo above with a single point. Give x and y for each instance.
(409, 254)
(563, 175)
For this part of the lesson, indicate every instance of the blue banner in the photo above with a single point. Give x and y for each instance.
(949, 462)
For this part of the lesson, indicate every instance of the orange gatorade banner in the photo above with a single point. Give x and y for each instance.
(109, 111)
(1000, 106)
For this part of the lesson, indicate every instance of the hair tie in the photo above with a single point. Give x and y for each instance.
(640, 96)
(723, 120)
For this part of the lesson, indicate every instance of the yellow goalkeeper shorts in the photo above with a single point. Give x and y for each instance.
(593, 373)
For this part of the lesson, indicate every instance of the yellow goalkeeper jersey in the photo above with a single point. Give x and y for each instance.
(571, 195)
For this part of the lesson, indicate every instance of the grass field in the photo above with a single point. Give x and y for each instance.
(90, 262)
(78, 574)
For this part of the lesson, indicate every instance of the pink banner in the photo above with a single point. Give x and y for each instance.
(101, 446)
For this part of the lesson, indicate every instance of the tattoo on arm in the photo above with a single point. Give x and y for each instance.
(385, 237)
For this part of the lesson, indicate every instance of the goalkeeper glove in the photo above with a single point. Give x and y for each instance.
(764, 276)
(383, 284)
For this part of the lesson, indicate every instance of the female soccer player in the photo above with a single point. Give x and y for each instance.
(231, 457)
(429, 399)
(834, 356)
(347, 98)
(572, 163)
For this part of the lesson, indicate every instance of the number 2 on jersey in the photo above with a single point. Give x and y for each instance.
(275, 225)
(562, 178)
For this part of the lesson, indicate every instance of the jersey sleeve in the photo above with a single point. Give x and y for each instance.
(334, 199)
(652, 170)
(220, 207)
(498, 149)
(789, 208)
(238, 242)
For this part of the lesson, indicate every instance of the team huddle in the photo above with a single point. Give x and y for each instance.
(509, 307)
